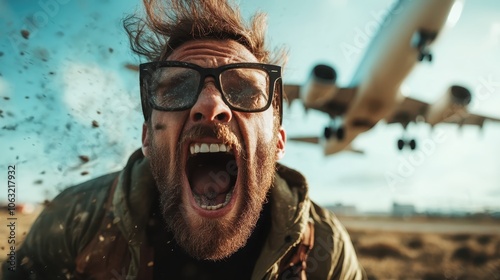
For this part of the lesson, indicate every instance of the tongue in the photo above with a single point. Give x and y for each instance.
(211, 182)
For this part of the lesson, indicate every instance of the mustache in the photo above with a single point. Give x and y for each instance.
(219, 131)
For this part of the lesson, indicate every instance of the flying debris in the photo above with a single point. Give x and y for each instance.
(84, 158)
(132, 67)
(25, 33)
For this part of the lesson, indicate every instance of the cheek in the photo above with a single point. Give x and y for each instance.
(260, 131)
(166, 129)
(265, 128)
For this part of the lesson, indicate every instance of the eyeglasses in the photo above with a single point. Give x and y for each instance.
(175, 85)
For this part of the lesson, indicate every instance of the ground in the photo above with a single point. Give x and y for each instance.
(427, 248)
(390, 248)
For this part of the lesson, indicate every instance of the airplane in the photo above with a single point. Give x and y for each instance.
(374, 94)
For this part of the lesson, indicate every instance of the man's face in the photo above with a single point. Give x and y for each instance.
(213, 166)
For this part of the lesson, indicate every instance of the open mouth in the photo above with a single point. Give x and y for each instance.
(212, 172)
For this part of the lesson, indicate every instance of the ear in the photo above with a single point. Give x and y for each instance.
(280, 152)
(145, 140)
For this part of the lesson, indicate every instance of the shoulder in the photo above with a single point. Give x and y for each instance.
(333, 255)
(77, 207)
(327, 223)
(65, 227)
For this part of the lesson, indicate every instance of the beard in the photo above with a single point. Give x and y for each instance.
(214, 239)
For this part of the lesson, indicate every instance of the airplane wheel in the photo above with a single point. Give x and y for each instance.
(429, 57)
(401, 144)
(328, 132)
(340, 133)
(421, 56)
(413, 144)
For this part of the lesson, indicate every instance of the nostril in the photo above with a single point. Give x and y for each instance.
(221, 117)
(198, 116)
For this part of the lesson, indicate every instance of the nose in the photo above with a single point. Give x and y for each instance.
(210, 107)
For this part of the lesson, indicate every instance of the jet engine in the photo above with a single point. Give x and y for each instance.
(452, 106)
(320, 86)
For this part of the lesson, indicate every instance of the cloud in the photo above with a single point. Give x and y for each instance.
(94, 94)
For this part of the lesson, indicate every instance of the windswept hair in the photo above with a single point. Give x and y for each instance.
(170, 23)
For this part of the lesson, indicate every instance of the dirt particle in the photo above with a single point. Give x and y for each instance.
(84, 158)
(25, 33)
(132, 67)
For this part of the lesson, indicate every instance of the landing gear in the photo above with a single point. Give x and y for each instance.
(421, 41)
(338, 133)
(335, 129)
(401, 144)
(328, 132)
(411, 143)
(422, 56)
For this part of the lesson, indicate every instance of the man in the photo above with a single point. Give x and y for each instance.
(205, 197)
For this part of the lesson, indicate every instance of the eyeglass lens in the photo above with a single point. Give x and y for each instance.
(177, 87)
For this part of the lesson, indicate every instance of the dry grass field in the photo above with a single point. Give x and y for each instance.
(395, 249)
(416, 250)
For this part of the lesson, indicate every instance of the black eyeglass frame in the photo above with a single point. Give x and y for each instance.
(147, 69)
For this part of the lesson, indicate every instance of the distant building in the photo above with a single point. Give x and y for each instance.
(343, 210)
(403, 210)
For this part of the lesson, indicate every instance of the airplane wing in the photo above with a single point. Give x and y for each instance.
(306, 139)
(291, 92)
(407, 111)
(317, 140)
(334, 105)
(471, 119)
(410, 109)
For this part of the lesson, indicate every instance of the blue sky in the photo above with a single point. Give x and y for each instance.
(71, 72)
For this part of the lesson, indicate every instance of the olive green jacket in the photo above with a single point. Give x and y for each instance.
(96, 230)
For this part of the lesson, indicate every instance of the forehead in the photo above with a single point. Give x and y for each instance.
(212, 53)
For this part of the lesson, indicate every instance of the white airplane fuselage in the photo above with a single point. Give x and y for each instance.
(391, 56)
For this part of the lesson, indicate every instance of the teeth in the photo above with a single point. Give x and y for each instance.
(204, 204)
(208, 148)
(214, 148)
(204, 148)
